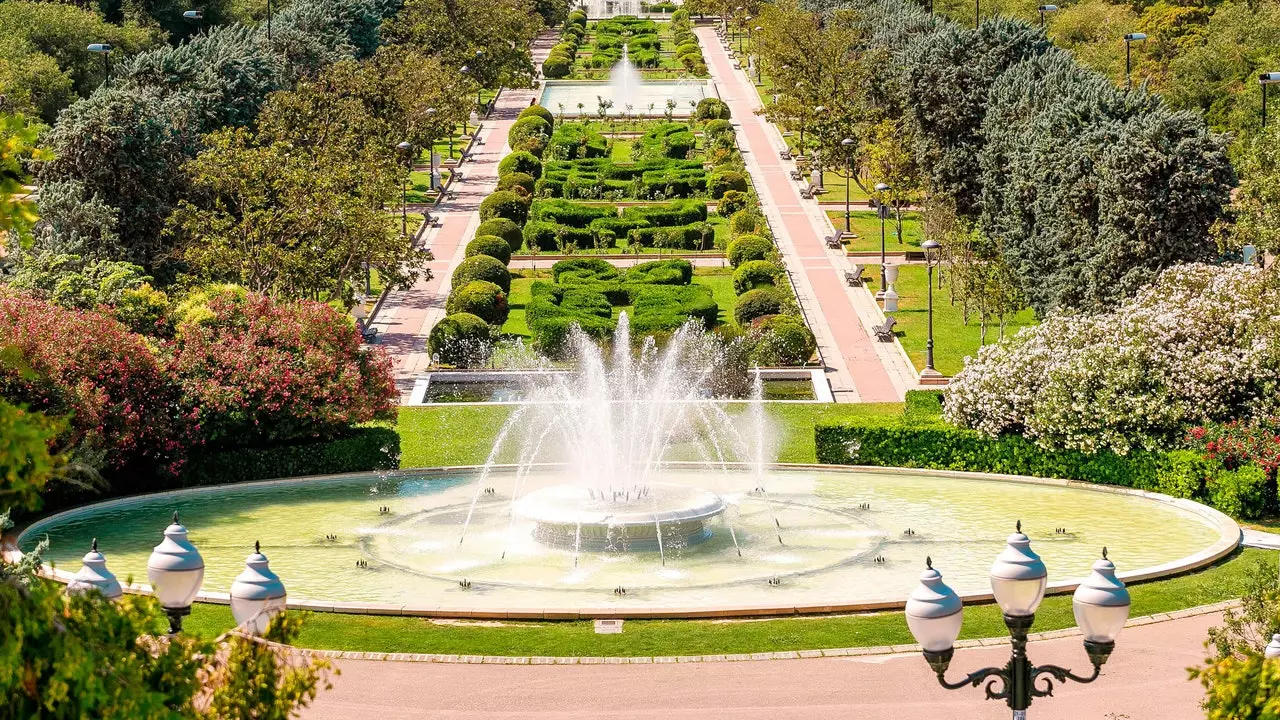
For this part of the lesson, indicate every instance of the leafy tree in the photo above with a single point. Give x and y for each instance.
(17, 214)
(76, 283)
(492, 39)
(1256, 205)
(1239, 682)
(1092, 31)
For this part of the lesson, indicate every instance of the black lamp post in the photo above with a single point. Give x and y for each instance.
(1264, 80)
(268, 19)
(757, 54)
(847, 144)
(930, 248)
(406, 149)
(977, 13)
(880, 210)
(1018, 578)
(466, 70)
(1129, 39)
(103, 49)
(1046, 9)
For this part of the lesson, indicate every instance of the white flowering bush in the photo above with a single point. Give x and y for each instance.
(1202, 343)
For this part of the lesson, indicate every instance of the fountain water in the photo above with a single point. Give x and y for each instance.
(612, 8)
(624, 82)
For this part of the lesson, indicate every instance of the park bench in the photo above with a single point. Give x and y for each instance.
(884, 331)
(795, 175)
(806, 192)
(833, 242)
(853, 278)
(367, 333)
(784, 154)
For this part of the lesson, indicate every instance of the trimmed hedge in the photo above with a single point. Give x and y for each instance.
(663, 308)
(517, 182)
(676, 271)
(528, 128)
(359, 450)
(504, 228)
(482, 267)
(461, 339)
(599, 178)
(722, 182)
(732, 201)
(758, 303)
(556, 66)
(748, 222)
(711, 109)
(505, 204)
(574, 141)
(564, 212)
(755, 273)
(782, 340)
(521, 161)
(539, 112)
(483, 299)
(491, 245)
(747, 248)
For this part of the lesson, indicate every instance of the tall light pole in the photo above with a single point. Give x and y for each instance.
(103, 49)
(1018, 577)
(757, 54)
(1129, 39)
(431, 148)
(1264, 80)
(880, 206)
(1046, 9)
(268, 19)
(847, 144)
(466, 70)
(977, 13)
(930, 248)
(406, 149)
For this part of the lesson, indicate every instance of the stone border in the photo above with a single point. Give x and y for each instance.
(1229, 539)
(739, 657)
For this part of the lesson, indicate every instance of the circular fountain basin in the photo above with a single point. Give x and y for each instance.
(819, 539)
(637, 518)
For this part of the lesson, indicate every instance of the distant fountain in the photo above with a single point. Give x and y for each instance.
(624, 82)
(612, 8)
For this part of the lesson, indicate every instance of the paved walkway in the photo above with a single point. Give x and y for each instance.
(862, 369)
(1145, 679)
(407, 316)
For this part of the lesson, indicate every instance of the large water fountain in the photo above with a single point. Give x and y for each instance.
(629, 93)
(623, 488)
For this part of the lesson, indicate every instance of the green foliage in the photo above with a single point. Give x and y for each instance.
(748, 222)
(711, 109)
(665, 140)
(755, 273)
(1184, 473)
(726, 181)
(505, 204)
(482, 267)
(462, 340)
(26, 463)
(522, 162)
(1241, 686)
(553, 236)
(921, 404)
(518, 182)
(732, 202)
(563, 212)
(483, 299)
(599, 178)
(527, 128)
(782, 340)
(1250, 626)
(504, 228)
(676, 271)
(556, 66)
(664, 308)
(1241, 492)
(1256, 205)
(491, 245)
(573, 141)
(747, 248)
(360, 449)
(539, 112)
(76, 283)
(758, 303)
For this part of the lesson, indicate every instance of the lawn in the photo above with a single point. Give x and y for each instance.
(866, 225)
(953, 339)
(706, 637)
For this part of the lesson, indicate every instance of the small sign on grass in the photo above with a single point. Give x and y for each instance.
(608, 627)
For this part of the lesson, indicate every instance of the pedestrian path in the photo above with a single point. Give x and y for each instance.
(407, 316)
(862, 370)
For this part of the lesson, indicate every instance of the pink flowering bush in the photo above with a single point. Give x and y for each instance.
(262, 371)
(123, 409)
(1201, 344)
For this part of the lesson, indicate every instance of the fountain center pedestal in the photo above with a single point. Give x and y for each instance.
(620, 518)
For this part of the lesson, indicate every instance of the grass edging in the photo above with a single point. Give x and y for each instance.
(666, 638)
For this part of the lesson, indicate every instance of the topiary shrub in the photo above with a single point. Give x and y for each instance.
(535, 145)
(526, 128)
(538, 111)
(677, 271)
(504, 228)
(757, 303)
(522, 162)
(663, 308)
(755, 273)
(782, 340)
(721, 182)
(482, 267)
(483, 299)
(747, 248)
(461, 339)
(505, 204)
(491, 245)
(517, 181)
(711, 109)
(556, 66)
(747, 222)
(733, 201)
(717, 128)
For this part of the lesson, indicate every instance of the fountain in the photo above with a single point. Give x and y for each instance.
(623, 488)
(599, 9)
(625, 88)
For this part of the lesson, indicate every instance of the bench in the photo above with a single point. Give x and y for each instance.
(795, 175)
(784, 154)
(853, 278)
(884, 331)
(367, 334)
(833, 242)
(820, 190)
(806, 193)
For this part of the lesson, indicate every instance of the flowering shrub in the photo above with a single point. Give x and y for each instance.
(1200, 344)
(123, 408)
(265, 371)
(1240, 442)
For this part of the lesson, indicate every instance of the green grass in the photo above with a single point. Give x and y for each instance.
(835, 189)
(953, 339)
(721, 284)
(620, 152)
(866, 225)
(698, 637)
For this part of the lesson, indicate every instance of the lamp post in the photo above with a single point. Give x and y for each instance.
(1046, 9)
(175, 570)
(1264, 80)
(1129, 39)
(466, 70)
(479, 115)
(103, 49)
(95, 576)
(757, 54)
(257, 593)
(977, 13)
(847, 144)
(406, 149)
(930, 248)
(431, 148)
(1018, 578)
(881, 188)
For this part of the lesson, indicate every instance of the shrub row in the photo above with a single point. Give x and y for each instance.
(599, 178)
(559, 62)
(360, 450)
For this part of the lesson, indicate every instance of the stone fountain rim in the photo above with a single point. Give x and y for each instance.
(1229, 539)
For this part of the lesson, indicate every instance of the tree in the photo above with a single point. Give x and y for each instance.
(492, 39)
(17, 214)
(887, 158)
(1239, 682)
(1256, 205)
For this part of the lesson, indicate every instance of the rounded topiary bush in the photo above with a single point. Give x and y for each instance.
(747, 248)
(711, 109)
(556, 67)
(747, 222)
(528, 128)
(731, 202)
(505, 229)
(482, 267)
(461, 339)
(752, 274)
(716, 128)
(720, 183)
(757, 303)
(480, 298)
(538, 111)
(782, 340)
(520, 182)
(491, 245)
(505, 204)
(522, 162)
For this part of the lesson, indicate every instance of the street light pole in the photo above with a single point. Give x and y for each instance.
(1046, 9)
(268, 19)
(884, 282)
(406, 149)
(930, 248)
(1130, 38)
(1264, 80)
(847, 143)
(977, 13)
(103, 49)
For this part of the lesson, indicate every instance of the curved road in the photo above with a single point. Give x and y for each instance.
(1146, 679)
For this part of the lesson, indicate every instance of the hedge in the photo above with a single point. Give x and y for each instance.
(504, 228)
(747, 248)
(539, 112)
(569, 213)
(659, 308)
(782, 340)
(491, 245)
(556, 66)
(482, 267)
(758, 303)
(549, 236)
(748, 222)
(527, 128)
(731, 202)
(521, 161)
(676, 271)
(573, 141)
(505, 204)
(696, 236)
(599, 178)
(755, 273)
(711, 109)
(518, 182)
(483, 299)
(359, 450)
(461, 339)
(721, 182)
